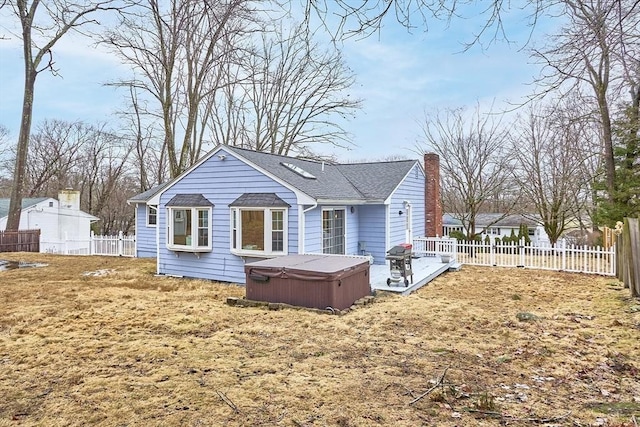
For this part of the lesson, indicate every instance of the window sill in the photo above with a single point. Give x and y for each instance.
(192, 249)
(256, 254)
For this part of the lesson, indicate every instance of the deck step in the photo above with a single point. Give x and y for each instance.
(456, 266)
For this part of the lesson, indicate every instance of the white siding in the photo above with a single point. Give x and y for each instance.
(61, 229)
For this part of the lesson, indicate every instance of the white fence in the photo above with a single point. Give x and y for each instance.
(116, 245)
(561, 257)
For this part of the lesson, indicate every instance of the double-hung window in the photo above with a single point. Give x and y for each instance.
(259, 223)
(152, 215)
(189, 223)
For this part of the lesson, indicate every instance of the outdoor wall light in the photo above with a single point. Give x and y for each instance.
(399, 212)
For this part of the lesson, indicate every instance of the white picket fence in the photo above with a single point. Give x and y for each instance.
(115, 245)
(561, 257)
(118, 245)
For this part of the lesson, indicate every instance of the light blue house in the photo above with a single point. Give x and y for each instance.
(236, 206)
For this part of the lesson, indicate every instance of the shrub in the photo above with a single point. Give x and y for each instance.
(459, 235)
(523, 233)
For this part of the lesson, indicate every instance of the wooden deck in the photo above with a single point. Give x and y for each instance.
(425, 269)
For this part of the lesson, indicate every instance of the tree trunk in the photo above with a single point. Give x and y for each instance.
(607, 134)
(15, 204)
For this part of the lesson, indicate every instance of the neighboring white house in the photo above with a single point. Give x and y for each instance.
(498, 225)
(63, 226)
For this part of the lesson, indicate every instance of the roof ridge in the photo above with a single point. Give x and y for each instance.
(373, 162)
(282, 156)
(355, 187)
(319, 162)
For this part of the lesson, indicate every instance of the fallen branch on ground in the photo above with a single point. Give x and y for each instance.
(437, 384)
(228, 401)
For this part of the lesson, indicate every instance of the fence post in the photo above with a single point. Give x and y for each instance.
(120, 244)
(522, 252)
(454, 248)
(492, 253)
(91, 240)
(564, 254)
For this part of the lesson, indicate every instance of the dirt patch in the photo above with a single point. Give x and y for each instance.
(481, 346)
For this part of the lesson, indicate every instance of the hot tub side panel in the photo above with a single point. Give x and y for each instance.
(338, 290)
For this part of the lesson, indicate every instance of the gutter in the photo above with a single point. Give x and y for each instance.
(301, 226)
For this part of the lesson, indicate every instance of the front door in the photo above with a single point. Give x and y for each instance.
(333, 231)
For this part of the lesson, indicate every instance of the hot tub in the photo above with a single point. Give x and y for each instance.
(315, 281)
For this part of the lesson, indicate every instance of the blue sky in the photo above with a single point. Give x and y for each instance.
(400, 75)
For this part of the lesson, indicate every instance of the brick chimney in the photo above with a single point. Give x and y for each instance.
(433, 204)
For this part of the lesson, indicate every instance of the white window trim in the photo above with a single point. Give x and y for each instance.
(149, 207)
(267, 252)
(194, 229)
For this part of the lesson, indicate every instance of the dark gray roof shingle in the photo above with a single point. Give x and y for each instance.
(189, 200)
(363, 182)
(376, 180)
(145, 196)
(259, 200)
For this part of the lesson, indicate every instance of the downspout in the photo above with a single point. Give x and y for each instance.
(135, 221)
(387, 226)
(158, 237)
(301, 226)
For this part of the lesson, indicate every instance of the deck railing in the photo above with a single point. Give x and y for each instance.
(561, 257)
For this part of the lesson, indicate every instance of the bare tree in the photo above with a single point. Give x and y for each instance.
(346, 18)
(5, 149)
(5, 162)
(53, 156)
(176, 49)
(39, 37)
(105, 164)
(228, 123)
(88, 158)
(293, 98)
(591, 51)
(475, 168)
(148, 157)
(549, 154)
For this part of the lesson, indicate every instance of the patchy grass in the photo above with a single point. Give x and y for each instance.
(122, 347)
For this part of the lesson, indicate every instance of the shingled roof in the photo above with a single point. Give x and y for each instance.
(26, 203)
(371, 182)
(195, 200)
(365, 182)
(145, 196)
(259, 200)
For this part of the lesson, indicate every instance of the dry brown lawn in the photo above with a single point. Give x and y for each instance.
(490, 346)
